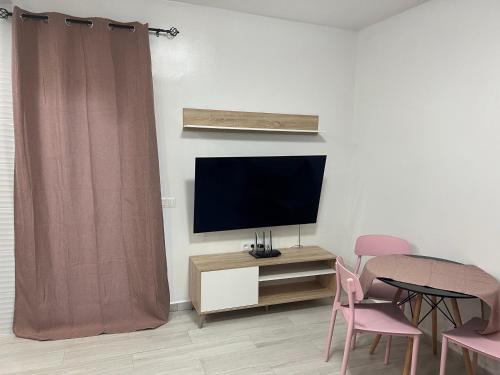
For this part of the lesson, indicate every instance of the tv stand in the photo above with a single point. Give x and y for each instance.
(234, 281)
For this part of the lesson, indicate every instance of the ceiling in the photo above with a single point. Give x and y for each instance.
(347, 14)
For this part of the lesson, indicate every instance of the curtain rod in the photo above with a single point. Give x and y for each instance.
(172, 32)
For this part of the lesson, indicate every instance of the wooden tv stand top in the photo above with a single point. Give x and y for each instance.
(240, 259)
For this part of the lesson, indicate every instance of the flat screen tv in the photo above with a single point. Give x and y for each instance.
(252, 192)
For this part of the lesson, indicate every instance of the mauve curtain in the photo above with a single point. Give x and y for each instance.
(89, 245)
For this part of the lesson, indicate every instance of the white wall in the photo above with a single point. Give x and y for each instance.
(427, 115)
(6, 183)
(227, 60)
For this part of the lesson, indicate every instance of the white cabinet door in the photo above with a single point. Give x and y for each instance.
(227, 289)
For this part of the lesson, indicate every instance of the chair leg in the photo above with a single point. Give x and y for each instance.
(474, 362)
(444, 354)
(409, 350)
(388, 350)
(347, 349)
(434, 327)
(465, 352)
(353, 346)
(328, 343)
(414, 354)
(375, 342)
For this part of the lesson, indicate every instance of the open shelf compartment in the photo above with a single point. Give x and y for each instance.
(294, 282)
(293, 292)
(295, 270)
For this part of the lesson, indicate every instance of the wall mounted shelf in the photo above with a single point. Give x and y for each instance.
(208, 119)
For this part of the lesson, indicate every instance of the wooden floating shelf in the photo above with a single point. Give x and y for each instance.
(207, 119)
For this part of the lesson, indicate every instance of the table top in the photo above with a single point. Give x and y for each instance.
(426, 289)
(464, 280)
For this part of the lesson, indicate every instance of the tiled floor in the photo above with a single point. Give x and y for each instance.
(287, 340)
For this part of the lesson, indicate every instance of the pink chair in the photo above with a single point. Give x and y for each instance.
(382, 318)
(376, 245)
(467, 336)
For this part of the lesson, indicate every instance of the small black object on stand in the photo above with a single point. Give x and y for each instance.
(261, 251)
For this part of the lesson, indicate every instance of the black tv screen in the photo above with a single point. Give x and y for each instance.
(252, 192)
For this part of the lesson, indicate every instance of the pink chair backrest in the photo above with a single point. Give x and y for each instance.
(343, 274)
(380, 244)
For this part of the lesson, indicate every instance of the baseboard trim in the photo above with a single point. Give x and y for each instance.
(181, 305)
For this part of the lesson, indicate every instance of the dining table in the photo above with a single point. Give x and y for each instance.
(439, 283)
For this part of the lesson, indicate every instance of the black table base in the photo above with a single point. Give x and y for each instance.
(447, 314)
